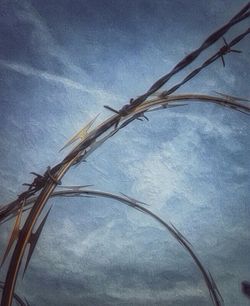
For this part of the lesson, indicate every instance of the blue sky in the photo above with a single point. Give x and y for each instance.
(60, 62)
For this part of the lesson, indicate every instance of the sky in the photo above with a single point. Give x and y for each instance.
(60, 62)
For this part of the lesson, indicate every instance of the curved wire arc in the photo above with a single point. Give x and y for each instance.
(213, 290)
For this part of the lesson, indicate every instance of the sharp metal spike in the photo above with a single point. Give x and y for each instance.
(76, 187)
(165, 107)
(27, 303)
(225, 42)
(245, 288)
(176, 105)
(81, 134)
(97, 143)
(214, 285)
(140, 209)
(80, 159)
(6, 220)
(223, 61)
(116, 124)
(125, 123)
(14, 234)
(19, 300)
(133, 200)
(232, 98)
(33, 240)
(36, 174)
(111, 109)
(236, 51)
(140, 119)
(238, 110)
(180, 234)
(77, 195)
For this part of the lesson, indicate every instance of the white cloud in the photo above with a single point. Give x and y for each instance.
(46, 76)
(42, 39)
(166, 171)
(179, 292)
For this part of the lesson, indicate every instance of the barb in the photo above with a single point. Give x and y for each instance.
(14, 234)
(112, 109)
(39, 182)
(166, 106)
(226, 49)
(82, 134)
(231, 98)
(132, 200)
(76, 187)
(245, 288)
(33, 240)
(19, 300)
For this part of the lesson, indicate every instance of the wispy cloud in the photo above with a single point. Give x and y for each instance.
(166, 172)
(48, 47)
(42, 36)
(46, 76)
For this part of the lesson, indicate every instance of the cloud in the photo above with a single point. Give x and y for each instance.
(166, 170)
(46, 76)
(47, 50)
(42, 36)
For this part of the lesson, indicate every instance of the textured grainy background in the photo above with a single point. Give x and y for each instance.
(60, 62)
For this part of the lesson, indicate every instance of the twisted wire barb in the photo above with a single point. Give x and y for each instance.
(19, 300)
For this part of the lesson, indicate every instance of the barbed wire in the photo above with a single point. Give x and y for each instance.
(46, 183)
(241, 15)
